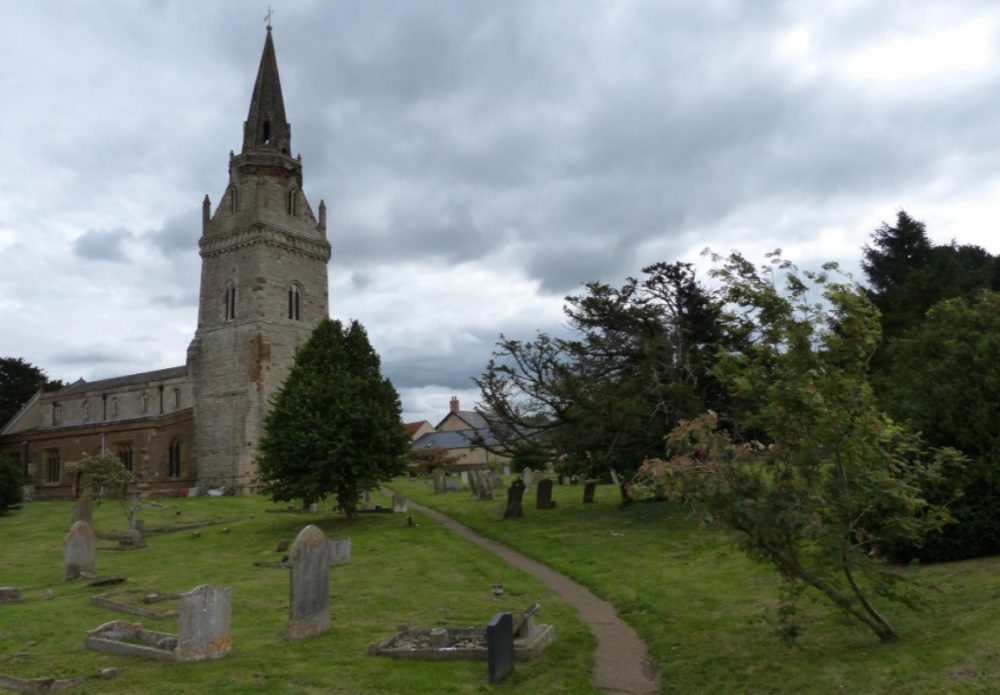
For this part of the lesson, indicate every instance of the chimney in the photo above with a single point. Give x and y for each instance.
(454, 404)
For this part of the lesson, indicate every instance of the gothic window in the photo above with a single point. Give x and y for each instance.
(230, 301)
(143, 401)
(86, 411)
(56, 414)
(177, 398)
(293, 202)
(267, 132)
(294, 302)
(234, 199)
(125, 455)
(53, 466)
(114, 406)
(174, 458)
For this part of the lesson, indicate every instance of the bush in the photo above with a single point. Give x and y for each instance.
(10, 484)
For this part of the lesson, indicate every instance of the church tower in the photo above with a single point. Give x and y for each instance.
(263, 288)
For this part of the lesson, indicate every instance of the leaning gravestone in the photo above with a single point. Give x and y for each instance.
(500, 646)
(515, 494)
(440, 484)
(309, 590)
(204, 623)
(543, 498)
(526, 477)
(78, 551)
(83, 510)
(398, 504)
(485, 490)
(588, 492)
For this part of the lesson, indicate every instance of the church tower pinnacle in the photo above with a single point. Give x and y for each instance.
(263, 287)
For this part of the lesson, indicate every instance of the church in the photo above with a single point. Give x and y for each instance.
(264, 256)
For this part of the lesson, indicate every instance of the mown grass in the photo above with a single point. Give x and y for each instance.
(704, 609)
(421, 575)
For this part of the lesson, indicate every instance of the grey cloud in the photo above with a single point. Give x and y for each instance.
(102, 245)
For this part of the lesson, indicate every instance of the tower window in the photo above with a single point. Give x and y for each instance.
(174, 458)
(294, 301)
(125, 455)
(234, 200)
(267, 132)
(293, 202)
(53, 466)
(229, 308)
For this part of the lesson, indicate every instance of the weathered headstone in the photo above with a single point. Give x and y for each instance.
(485, 490)
(564, 480)
(309, 590)
(340, 551)
(398, 504)
(440, 485)
(464, 475)
(515, 494)
(588, 492)
(614, 477)
(79, 550)
(472, 481)
(526, 478)
(204, 623)
(543, 498)
(506, 470)
(366, 504)
(500, 646)
(83, 510)
(495, 480)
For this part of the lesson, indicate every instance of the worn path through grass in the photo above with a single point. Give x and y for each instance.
(621, 661)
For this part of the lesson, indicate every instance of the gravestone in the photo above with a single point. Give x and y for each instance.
(483, 485)
(495, 480)
(440, 486)
(78, 551)
(526, 477)
(515, 493)
(309, 587)
(472, 481)
(283, 546)
(340, 551)
(543, 498)
(464, 475)
(398, 504)
(83, 510)
(506, 470)
(451, 485)
(500, 647)
(588, 492)
(204, 623)
(614, 477)
(564, 480)
(366, 504)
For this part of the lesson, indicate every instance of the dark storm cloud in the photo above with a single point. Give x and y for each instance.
(102, 245)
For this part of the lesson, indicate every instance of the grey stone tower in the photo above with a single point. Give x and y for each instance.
(263, 288)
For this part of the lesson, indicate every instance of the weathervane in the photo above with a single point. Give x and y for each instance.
(267, 17)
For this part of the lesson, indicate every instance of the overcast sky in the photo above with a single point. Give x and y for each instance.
(480, 160)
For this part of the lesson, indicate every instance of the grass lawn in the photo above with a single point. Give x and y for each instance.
(421, 575)
(702, 607)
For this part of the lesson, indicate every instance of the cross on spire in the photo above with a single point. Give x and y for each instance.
(267, 17)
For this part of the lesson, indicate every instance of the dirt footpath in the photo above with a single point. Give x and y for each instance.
(621, 661)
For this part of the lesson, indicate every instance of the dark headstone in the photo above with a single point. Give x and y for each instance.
(500, 647)
(83, 510)
(515, 494)
(543, 498)
(204, 623)
(79, 549)
(309, 591)
(588, 492)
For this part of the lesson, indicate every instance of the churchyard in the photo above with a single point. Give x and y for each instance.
(704, 610)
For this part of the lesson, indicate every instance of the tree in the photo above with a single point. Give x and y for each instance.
(804, 469)
(19, 381)
(10, 484)
(106, 477)
(942, 378)
(427, 459)
(334, 427)
(637, 362)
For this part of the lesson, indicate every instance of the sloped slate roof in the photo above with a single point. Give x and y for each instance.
(461, 439)
(82, 386)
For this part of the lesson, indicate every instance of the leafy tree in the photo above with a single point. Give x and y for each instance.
(10, 484)
(334, 427)
(427, 459)
(943, 378)
(19, 381)
(832, 479)
(636, 363)
(106, 477)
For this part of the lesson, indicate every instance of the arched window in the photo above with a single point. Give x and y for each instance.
(229, 309)
(234, 199)
(114, 406)
(174, 458)
(177, 398)
(56, 414)
(293, 202)
(294, 302)
(53, 466)
(125, 455)
(86, 411)
(143, 401)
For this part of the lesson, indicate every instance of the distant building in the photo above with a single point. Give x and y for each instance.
(458, 435)
(263, 289)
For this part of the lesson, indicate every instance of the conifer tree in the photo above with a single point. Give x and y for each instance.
(335, 426)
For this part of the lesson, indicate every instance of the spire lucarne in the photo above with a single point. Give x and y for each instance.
(266, 127)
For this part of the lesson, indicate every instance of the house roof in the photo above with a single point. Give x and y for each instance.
(472, 418)
(81, 386)
(458, 439)
(410, 428)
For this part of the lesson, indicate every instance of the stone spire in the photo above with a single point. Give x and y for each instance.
(266, 128)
